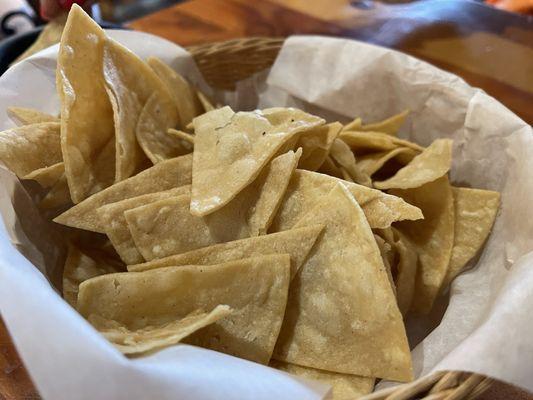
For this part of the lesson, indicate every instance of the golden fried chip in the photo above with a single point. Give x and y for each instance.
(385, 250)
(158, 115)
(28, 116)
(475, 212)
(431, 164)
(329, 167)
(182, 135)
(374, 141)
(333, 321)
(78, 268)
(432, 237)
(112, 218)
(342, 154)
(156, 337)
(206, 103)
(315, 144)
(129, 83)
(295, 242)
(182, 92)
(167, 227)
(166, 175)
(231, 149)
(390, 126)
(344, 386)
(255, 288)
(373, 162)
(86, 114)
(30, 147)
(306, 188)
(47, 176)
(353, 125)
(58, 196)
(271, 185)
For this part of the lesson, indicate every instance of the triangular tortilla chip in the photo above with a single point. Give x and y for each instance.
(27, 148)
(333, 320)
(166, 175)
(343, 386)
(112, 218)
(28, 116)
(353, 125)
(271, 185)
(182, 135)
(230, 150)
(129, 83)
(295, 242)
(158, 115)
(475, 212)
(431, 164)
(329, 167)
(78, 268)
(86, 114)
(184, 95)
(156, 337)
(316, 144)
(306, 188)
(167, 227)
(373, 162)
(342, 154)
(390, 126)
(375, 141)
(432, 237)
(385, 250)
(47, 176)
(255, 288)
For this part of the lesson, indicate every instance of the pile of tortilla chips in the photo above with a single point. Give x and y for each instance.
(269, 235)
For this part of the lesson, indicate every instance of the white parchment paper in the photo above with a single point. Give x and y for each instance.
(485, 327)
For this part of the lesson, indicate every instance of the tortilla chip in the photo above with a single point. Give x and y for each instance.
(78, 268)
(475, 212)
(271, 185)
(329, 167)
(182, 92)
(30, 147)
(166, 175)
(373, 162)
(385, 251)
(58, 196)
(342, 154)
(155, 337)
(316, 144)
(204, 100)
(112, 218)
(50, 35)
(158, 115)
(255, 288)
(231, 150)
(306, 188)
(354, 125)
(431, 164)
(28, 116)
(182, 135)
(129, 83)
(295, 242)
(390, 126)
(333, 321)
(47, 176)
(432, 237)
(375, 141)
(344, 386)
(167, 227)
(346, 176)
(86, 114)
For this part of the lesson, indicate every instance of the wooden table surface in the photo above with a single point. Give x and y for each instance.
(490, 49)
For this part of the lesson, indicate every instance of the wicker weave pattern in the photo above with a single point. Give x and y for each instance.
(223, 64)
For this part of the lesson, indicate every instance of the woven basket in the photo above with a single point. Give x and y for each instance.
(224, 63)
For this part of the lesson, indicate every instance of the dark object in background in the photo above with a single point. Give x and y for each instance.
(13, 46)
